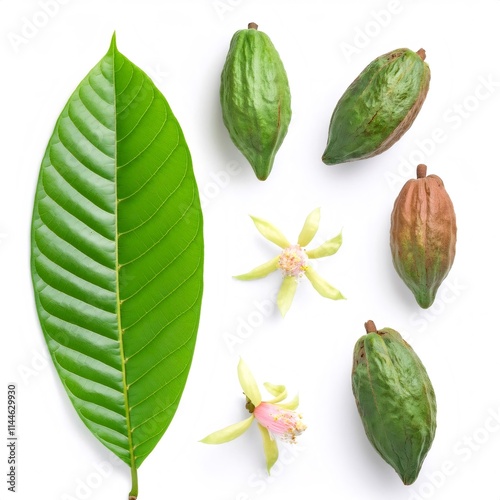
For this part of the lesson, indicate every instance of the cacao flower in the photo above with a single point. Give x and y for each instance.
(293, 260)
(275, 419)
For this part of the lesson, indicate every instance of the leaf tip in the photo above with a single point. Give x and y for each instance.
(112, 46)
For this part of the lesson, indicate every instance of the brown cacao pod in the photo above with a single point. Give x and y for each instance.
(423, 235)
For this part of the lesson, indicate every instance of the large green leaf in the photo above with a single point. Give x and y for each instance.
(117, 257)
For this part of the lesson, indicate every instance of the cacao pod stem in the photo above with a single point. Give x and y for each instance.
(421, 53)
(370, 326)
(421, 171)
(253, 26)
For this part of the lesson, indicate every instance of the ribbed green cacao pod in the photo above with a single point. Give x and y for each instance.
(378, 107)
(423, 235)
(395, 400)
(255, 98)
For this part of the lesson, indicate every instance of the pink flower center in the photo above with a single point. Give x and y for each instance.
(293, 261)
(286, 424)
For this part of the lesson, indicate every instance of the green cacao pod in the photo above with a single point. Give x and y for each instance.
(423, 235)
(378, 107)
(255, 98)
(395, 400)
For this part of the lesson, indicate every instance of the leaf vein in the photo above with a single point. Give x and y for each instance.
(80, 219)
(90, 109)
(180, 346)
(48, 228)
(100, 424)
(144, 113)
(153, 139)
(169, 323)
(151, 177)
(80, 130)
(77, 299)
(168, 382)
(126, 86)
(63, 346)
(87, 400)
(132, 99)
(74, 155)
(94, 89)
(163, 410)
(82, 278)
(83, 327)
(158, 304)
(112, 445)
(159, 241)
(162, 269)
(76, 187)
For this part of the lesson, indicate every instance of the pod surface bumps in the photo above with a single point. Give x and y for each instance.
(255, 98)
(395, 399)
(423, 235)
(378, 107)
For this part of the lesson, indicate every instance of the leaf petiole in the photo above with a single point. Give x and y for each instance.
(135, 484)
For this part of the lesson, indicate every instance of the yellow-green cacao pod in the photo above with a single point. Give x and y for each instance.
(423, 235)
(378, 107)
(255, 98)
(395, 400)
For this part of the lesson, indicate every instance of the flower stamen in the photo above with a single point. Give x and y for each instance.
(285, 424)
(293, 261)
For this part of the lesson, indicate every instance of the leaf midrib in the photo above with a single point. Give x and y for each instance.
(117, 271)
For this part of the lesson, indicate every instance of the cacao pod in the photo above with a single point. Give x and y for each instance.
(255, 98)
(378, 107)
(395, 400)
(423, 235)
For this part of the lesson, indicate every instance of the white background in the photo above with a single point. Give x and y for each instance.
(182, 46)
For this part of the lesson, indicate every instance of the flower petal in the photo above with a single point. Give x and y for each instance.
(327, 248)
(286, 293)
(310, 228)
(293, 404)
(270, 232)
(248, 383)
(280, 422)
(270, 448)
(260, 271)
(278, 391)
(322, 287)
(228, 433)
